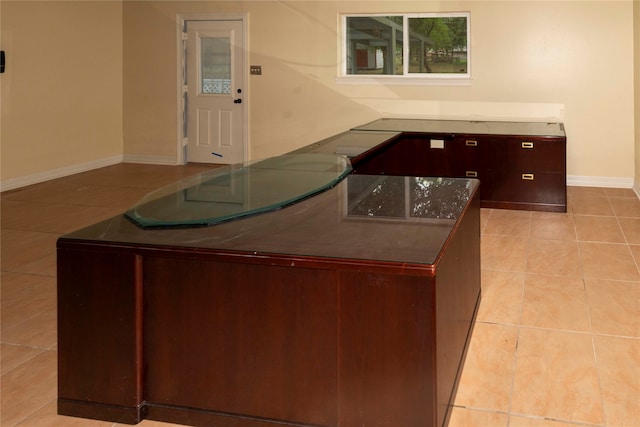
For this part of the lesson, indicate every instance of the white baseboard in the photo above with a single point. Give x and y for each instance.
(149, 159)
(599, 181)
(23, 181)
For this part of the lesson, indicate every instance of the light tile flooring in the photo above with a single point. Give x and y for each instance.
(557, 342)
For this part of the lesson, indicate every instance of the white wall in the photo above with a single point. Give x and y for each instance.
(570, 61)
(636, 91)
(89, 82)
(61, 93)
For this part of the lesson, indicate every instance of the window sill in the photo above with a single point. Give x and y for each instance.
(403, 81)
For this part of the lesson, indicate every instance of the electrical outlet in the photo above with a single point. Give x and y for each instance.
(255, 70)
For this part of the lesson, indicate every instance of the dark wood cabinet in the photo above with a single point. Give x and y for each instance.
(529, 172)
(352, 307)
(517, 171)
(317, 314)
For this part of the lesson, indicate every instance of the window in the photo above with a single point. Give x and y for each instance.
(426, 46)
(215, 57)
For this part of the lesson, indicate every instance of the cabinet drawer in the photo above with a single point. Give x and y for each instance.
(529, 187)
(469, 161)
(469, 154)
(532, 154)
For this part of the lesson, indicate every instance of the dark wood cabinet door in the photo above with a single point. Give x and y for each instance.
(542, 188)
(421, 155)
(244, 339)
(528, 154)
(387, 332)
(411, 155)
(529, 170)
(99, 333)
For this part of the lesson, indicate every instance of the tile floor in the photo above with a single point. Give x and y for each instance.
(557, 342)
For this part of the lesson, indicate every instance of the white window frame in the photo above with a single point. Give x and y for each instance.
(434, 79)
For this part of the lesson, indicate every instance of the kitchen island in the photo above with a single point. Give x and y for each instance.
(350, 306)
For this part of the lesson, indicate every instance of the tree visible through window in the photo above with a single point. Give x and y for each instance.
(429, 45)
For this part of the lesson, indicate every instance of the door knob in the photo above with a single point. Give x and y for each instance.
(237, 101)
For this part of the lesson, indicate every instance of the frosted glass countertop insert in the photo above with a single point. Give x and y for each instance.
(235, 191)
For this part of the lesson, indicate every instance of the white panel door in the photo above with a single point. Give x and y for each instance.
(215, 106)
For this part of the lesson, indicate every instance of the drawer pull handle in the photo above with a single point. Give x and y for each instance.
(527, 145)
(471, 143)
(472, 174)
(528, 176)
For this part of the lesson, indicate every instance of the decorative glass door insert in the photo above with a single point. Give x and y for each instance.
(215, 72)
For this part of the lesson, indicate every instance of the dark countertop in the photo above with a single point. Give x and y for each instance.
(466, 127)
(378, 218)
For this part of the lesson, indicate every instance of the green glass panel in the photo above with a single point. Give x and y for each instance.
(236, 191)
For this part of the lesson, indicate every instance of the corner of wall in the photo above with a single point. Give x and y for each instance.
(636, 104)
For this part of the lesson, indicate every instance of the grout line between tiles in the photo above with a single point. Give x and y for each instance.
(519, 326)
(570, 422)
(22, 421)
(42, 350)
(598, 370)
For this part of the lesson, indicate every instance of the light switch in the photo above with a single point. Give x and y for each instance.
(255, 70)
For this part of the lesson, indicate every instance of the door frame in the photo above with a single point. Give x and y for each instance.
(181, 22)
